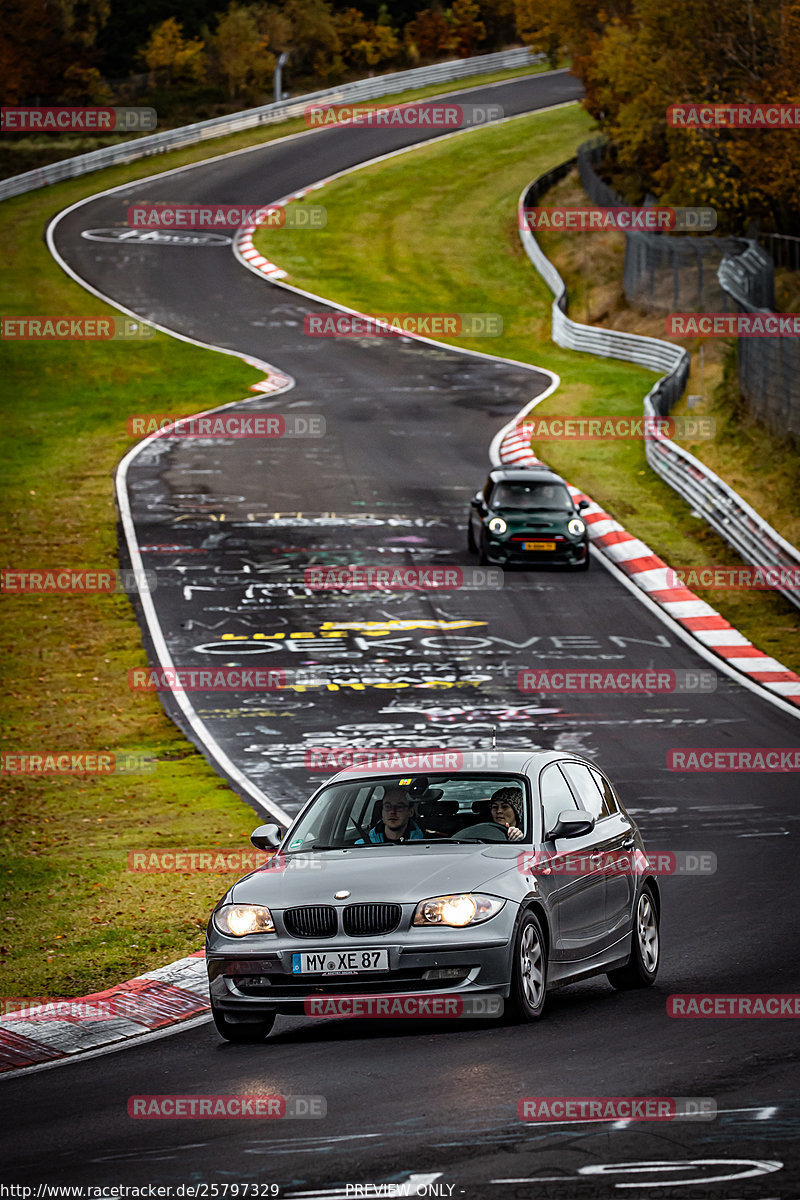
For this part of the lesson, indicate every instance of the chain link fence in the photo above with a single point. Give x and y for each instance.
(665, 273)
(768, 367)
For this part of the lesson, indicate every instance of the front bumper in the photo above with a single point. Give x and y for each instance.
(258, 978)
(509, 549)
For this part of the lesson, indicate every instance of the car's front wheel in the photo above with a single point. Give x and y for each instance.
(472, 545)
(642, 968)
(242, 1031)
(529, 971)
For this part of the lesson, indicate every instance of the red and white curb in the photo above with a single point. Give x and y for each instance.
(55, 1031)
(243, 238)
(653, 576)
(244, 242)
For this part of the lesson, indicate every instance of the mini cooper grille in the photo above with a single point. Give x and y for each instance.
(361, 920)
(313, 921)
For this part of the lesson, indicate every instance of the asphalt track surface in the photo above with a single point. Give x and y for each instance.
(408, 427)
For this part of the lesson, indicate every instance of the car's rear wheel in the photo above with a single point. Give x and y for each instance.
(529, 971)
(242, 1031)
(642, 968)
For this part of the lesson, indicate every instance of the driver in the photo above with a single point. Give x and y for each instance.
(398, 821)
(507, 809)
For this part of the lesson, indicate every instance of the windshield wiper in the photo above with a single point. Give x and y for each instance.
(305, 849)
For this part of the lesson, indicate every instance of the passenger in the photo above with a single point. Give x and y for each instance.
(398, 818)
(507, 810)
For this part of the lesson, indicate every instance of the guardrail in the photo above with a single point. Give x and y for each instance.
(266, 114)
(720, 506)
(653, 353)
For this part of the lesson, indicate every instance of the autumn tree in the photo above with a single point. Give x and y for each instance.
(365, 43)
(241, 53)
(430, 34)
(539, 26)
(41, 39)
(468, 28)
(315, 40)
(643, 58)
(172, 58)
(499, 17)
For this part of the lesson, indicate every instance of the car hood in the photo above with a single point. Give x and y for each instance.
(401, 874)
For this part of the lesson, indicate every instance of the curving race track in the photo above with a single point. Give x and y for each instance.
(408, 428)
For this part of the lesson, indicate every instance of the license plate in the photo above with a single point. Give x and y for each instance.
(538, 545)
(339, 962)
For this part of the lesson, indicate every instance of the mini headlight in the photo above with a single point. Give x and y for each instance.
(576, 526)
(457, 911)
(498, 525)
(237, 920)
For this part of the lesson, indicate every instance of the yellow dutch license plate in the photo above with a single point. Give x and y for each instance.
(538, 545)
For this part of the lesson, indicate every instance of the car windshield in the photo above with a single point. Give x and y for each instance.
(531, 496)
(412, 808)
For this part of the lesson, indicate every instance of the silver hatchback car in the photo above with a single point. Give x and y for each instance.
(481, 873)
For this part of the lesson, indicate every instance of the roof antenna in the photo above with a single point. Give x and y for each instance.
(494, 737)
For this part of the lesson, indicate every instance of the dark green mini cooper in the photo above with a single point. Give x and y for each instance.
(526, 515)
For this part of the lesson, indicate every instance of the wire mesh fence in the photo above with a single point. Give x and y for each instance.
(665, 273)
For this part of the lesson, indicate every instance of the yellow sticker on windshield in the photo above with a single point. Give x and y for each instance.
(404, 782)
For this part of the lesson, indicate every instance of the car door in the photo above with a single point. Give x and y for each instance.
(575, 886)
(620, 831)
(613, 843)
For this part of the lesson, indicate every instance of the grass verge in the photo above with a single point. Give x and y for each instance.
(434, 230)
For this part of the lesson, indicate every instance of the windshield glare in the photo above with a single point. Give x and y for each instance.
(406, 809)
(531, 496)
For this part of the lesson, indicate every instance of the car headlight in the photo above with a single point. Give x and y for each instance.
(457, 911)
(576, 526)
(237, 920)
(498, 525)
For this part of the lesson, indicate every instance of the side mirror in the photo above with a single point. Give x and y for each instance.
(582, 504)
(266, 837)
(477, 500)
(572, 823)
